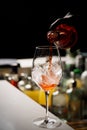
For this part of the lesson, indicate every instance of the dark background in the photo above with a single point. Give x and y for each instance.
(24, 24)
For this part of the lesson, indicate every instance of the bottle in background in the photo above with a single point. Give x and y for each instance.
(79, 61)
(60, 102)
(75, 97)
(13, 77)
(84, 82)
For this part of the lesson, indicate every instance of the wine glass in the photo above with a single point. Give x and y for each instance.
(46, 73)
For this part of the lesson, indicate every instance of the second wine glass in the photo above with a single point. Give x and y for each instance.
(46, 73)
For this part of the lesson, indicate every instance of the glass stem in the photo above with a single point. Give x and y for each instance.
(46, 95)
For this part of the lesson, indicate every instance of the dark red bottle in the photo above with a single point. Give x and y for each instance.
(64, 32)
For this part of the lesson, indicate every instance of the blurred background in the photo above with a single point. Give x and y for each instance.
(24, 25)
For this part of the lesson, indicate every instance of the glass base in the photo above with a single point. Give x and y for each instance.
(50, 123)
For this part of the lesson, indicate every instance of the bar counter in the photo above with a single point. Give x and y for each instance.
(17, 110)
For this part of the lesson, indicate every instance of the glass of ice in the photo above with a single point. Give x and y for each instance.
(46, 73)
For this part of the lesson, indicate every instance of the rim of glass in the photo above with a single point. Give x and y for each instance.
(46, 47)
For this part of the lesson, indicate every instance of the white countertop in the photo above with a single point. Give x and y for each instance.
(17, 110)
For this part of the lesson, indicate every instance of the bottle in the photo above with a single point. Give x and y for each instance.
(77, 76)
(13, 77)
(70, 58)
(75, 99)
(60, 101)
(84, 74)
(84, 82)
(79, 61)
(64, 32)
